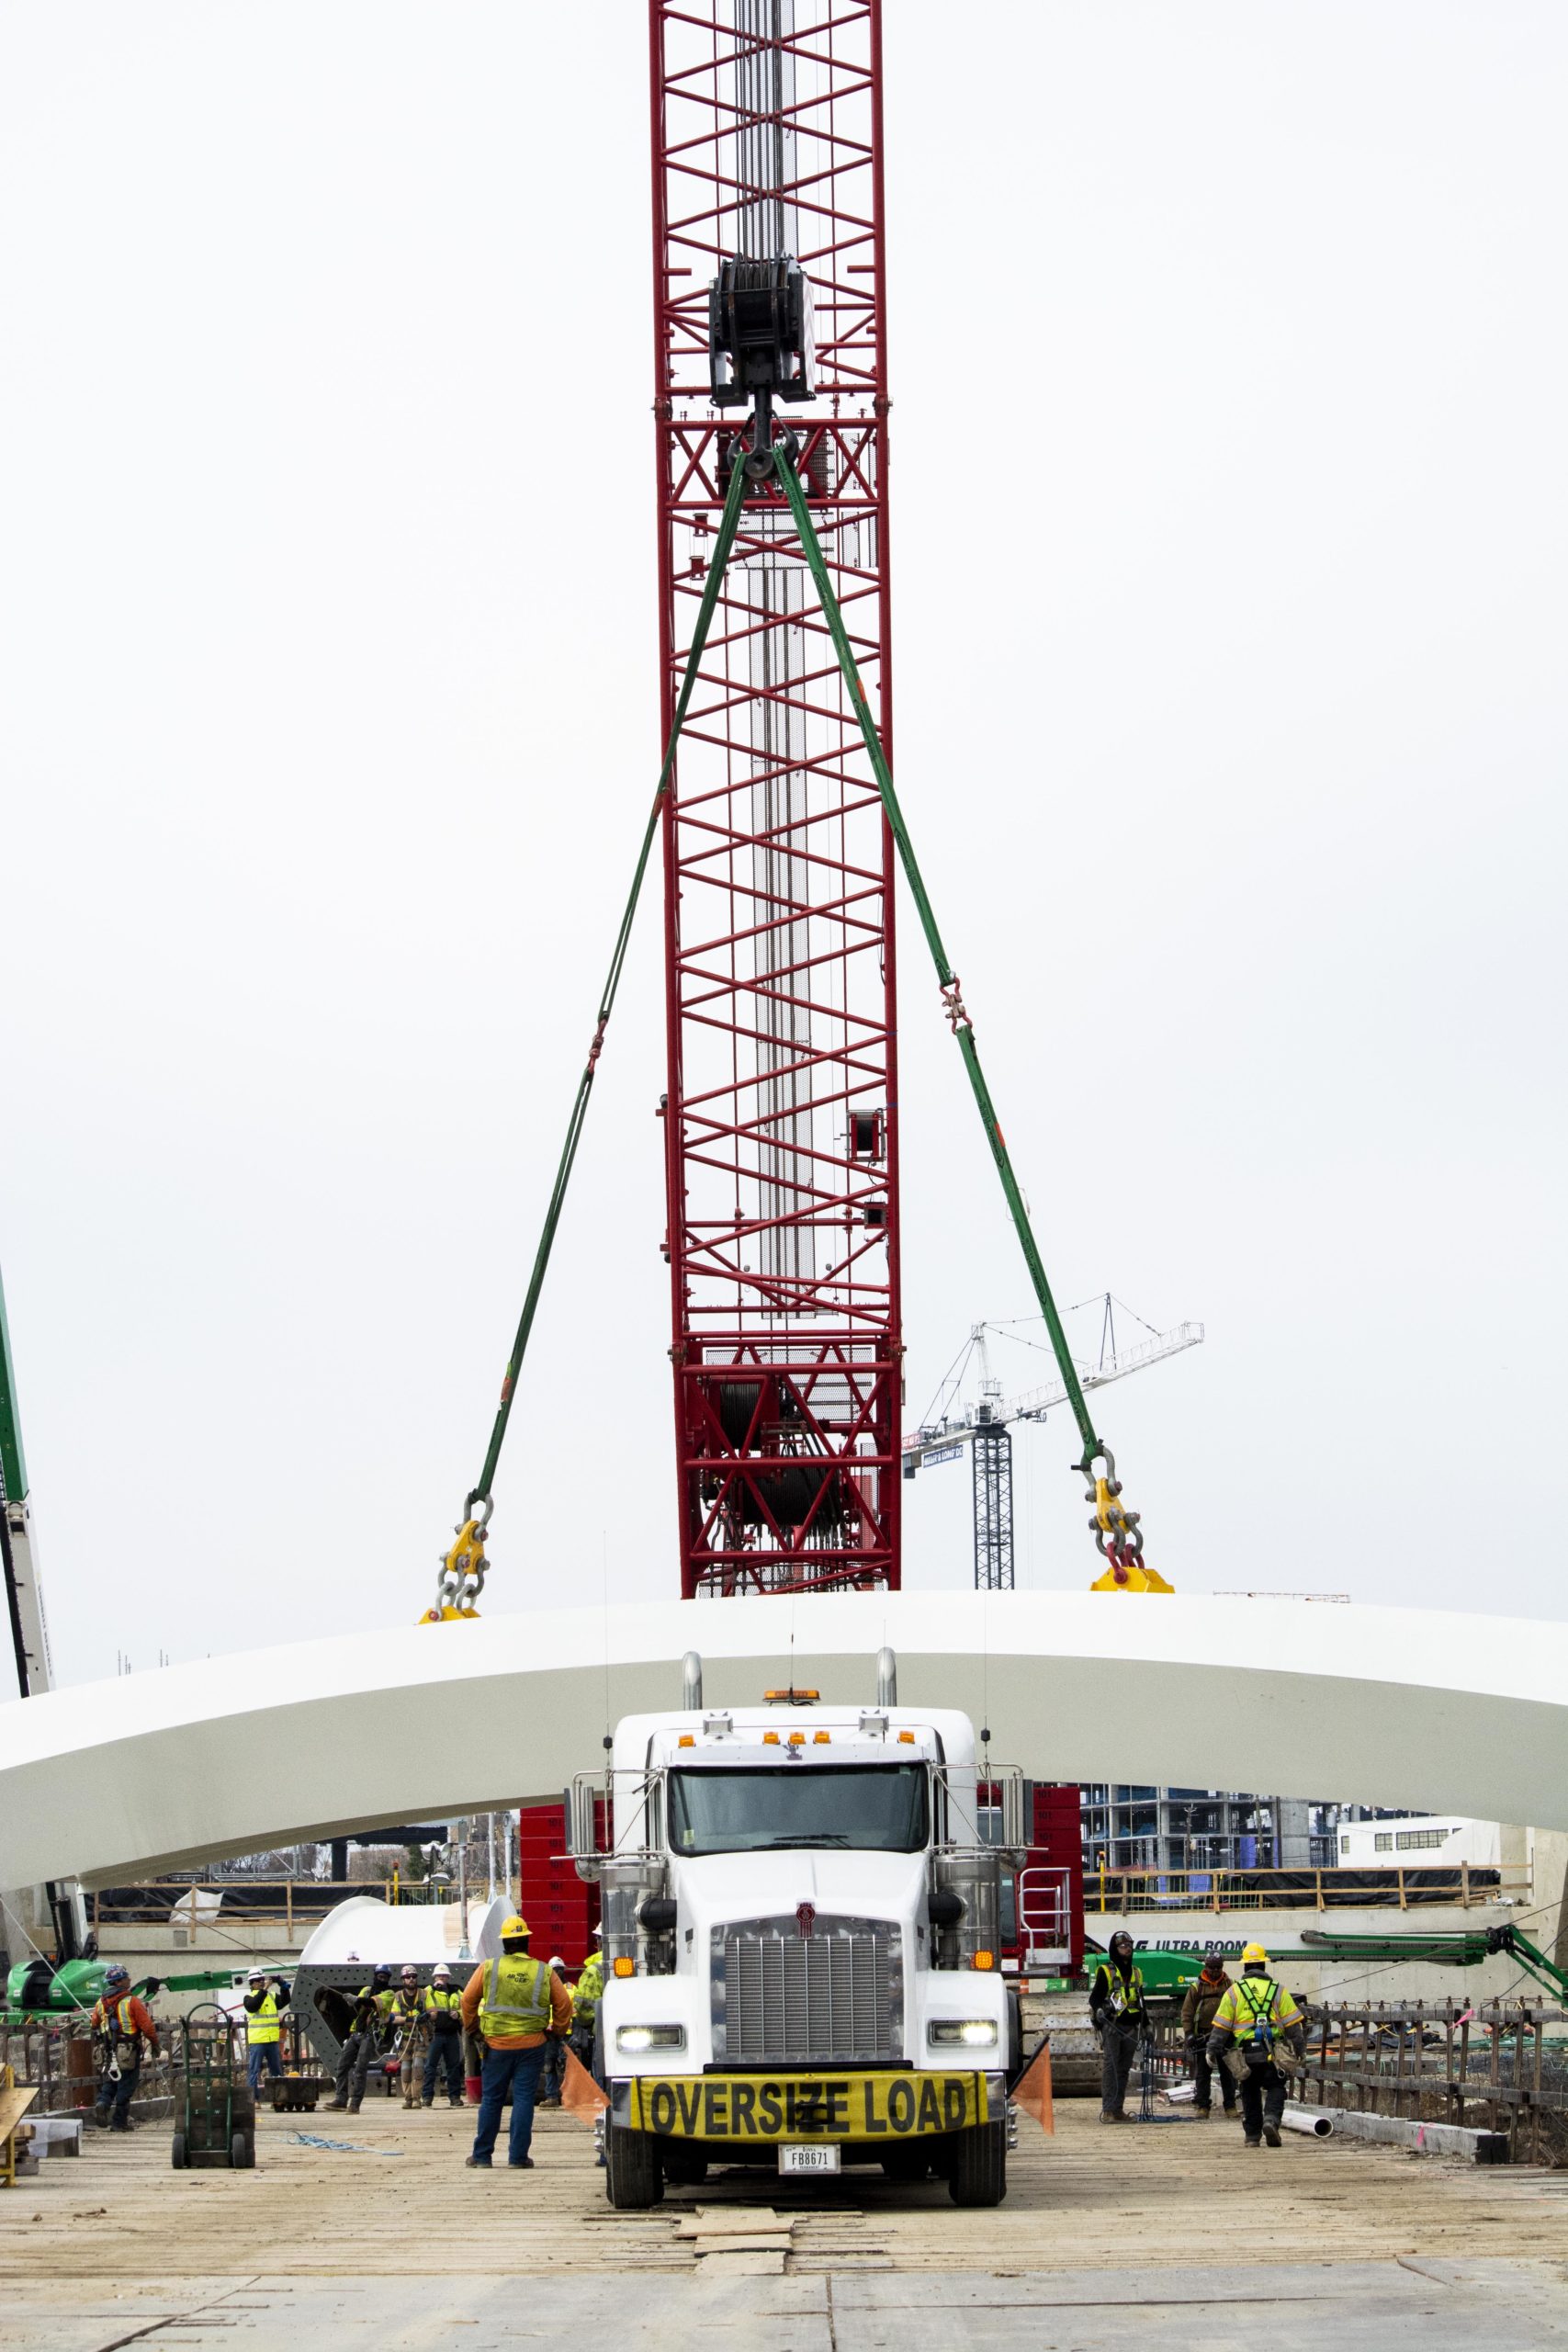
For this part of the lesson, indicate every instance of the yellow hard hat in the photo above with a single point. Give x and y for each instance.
(1253, 1955)
(514, 1926)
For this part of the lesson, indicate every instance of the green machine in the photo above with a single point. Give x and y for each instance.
(37, 1991)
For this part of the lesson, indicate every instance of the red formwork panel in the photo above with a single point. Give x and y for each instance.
(561, 1909)
(1058, 1845)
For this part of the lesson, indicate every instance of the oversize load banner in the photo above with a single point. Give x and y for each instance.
(804, 2107)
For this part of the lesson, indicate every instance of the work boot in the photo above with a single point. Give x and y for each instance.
(456, 2102)
(101, 2117)
(478, 2163)
(339, 2103)
(1204, 2112)
(1271, 2135)
(1250, 2142)
(353, 2106)
(519, 2163)
(122, 2123)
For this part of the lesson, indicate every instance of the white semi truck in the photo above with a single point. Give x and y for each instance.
(801, 1909)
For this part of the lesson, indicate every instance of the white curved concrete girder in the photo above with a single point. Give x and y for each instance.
(1400, 1707)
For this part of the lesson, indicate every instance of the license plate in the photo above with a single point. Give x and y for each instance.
(820, 2158)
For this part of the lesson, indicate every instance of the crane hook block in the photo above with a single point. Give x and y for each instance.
(760, 332)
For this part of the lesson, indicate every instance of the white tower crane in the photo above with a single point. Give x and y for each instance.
(985, 1424)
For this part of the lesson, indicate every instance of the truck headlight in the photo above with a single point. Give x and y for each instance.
(969, 2033)
(650, 2037)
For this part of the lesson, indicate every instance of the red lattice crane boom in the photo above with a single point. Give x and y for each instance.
(781, 1108)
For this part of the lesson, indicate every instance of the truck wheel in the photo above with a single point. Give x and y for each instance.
(979, 2165)
(682, 2168)
(633, 2178)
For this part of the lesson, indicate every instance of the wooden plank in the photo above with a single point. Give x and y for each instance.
(13, 2105)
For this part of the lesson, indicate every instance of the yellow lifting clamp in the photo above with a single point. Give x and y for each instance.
(1137, 1579)
(1117, 1535)
(462, 1570)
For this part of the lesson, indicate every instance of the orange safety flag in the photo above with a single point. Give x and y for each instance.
(580, 2094)
(1032, 2089)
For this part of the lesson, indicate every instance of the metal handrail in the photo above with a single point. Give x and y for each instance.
(153, 1892)
(1163, 1890)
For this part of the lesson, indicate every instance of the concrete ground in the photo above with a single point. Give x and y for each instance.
(1169, 2235)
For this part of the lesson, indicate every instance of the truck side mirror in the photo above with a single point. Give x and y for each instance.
(579, 1825)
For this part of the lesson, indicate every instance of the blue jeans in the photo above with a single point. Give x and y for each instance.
(445, 2053)
(263, 2055)
(114, 2098)
(520, 2068)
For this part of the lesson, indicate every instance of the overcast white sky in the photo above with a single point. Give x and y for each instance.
(1229, 354)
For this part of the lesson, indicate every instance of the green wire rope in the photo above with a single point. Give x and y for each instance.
(723, 544)
(962, 1028)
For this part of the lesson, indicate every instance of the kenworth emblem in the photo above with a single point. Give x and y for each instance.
(805, 1917)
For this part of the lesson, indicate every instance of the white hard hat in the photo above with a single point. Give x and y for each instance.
(441, 1969)
(556, 1961)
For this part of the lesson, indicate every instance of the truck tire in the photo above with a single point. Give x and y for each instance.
(980, 2174)
(683, 2168)
(634, 2176)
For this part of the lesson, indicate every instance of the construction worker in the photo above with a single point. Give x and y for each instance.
(516, 2002)
(1256, 2015)
(444, 2017)
(122, 2028)
(363, 2041)
(1117, 2006)
(409, 2032)
(1197, 2016)
(586, 1997)
(553, 2073)
(263, 2005)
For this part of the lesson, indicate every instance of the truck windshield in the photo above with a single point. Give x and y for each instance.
(872, 1806)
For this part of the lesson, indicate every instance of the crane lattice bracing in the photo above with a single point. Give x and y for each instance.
(993, 1508)
(781, 1136)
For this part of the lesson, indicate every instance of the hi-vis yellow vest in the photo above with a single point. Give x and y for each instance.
(261, 2025)
(587, 1990)
(516, 1998)
(1254, 2009)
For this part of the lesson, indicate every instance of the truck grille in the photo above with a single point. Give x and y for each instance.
(832, 1996)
